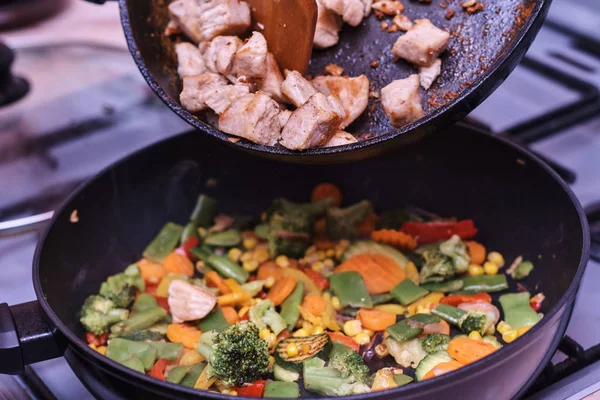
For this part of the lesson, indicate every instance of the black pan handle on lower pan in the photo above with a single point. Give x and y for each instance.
(25, 337)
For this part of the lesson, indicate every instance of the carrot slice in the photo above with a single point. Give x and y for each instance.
(269, 269)
(443, 368)
(477, 251)
(281, 290)
(178, 264)
(325, 190)
(395, 238)
(314, 304)
(375, 320)
(184, 334)
(230, 315)
(466, 351)
(214, 280)
(439, 327)
(380, 273)
(151, 272)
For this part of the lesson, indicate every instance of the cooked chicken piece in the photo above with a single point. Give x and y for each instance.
(220, 52)
(336, 106)
(189, 60)
(429, 74)
(388, 7)
(422, 44)
(271, 84)
(334, 70)
(284, 117)
(311, 125)
(368, 7)
(296, 88)
(340, 138)
(353, 93)
(401, 101)
(328, 27)
(184, 14)
(351, 11)
(188, 302)
(402, 22)
(223, 17)
(197, 87)
(222, 97)
(254, 117)
(172, 28)
(251, 59)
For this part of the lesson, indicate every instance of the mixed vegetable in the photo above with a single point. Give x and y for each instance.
(309, 300)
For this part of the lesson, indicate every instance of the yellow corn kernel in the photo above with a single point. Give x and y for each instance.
(272, 339)
(490, 268)
(362, 338)
(301, 332)
(520, 332)
(391, 308)
(261, 255)
(330, 253)
(271, 362)
(317, 330)
(335, 301)
(282, 261)
(318, 266)
(269, 282)
(381, 350)
(475, 335)
(496, 258)
(234, 254)
(250, 266)
(503, 327)
(510, 336)
(202, 232)
(339, 253)
(233, 393)
(307, 325)
(476, 270)
(328, 262)
(305, 348)
(352, 327)
(243, 311)
(264, 334)
(200, 266)
(249, 243)
(191, 357)
(321, 254)
(292, 350)
(247, 256)
(368, 332)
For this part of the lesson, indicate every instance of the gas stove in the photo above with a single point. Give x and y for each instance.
(88, 106)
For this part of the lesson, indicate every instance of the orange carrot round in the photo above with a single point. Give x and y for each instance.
(395, 238)
(477, 251)
(230, 315)
(314, 304)
(466, 351)
(151, 272)
(380, 273)
(443, 368)
(325, 190)
(214, 280)
(438, 327)
(281, 290)
(178, 264)
(184, 334)
(375, 320)
(269, 270)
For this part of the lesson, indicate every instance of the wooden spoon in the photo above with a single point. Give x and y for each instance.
(289, 28)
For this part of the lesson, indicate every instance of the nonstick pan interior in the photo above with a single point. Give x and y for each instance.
(483, 50)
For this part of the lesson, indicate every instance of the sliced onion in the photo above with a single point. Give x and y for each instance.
(482, 307)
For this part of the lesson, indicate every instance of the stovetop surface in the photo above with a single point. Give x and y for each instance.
(103, 110)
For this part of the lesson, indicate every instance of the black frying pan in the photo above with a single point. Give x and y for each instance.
(486, 46)
(520, 206)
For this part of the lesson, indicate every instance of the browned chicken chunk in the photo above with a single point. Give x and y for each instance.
(223, 17)
(254, 117)
(422, 44)
(311, 125)
(197, 87)
(251, 59)
(220, 52)
(340, 138)
(189, 60)
(284, 117)
(296, 88)
(388, 7)
(429, 74)
(351, 11)
(184, 14)
(329, 24)
(222, 97)
(271, 84)
(402, 22)
(401, 101)
(353, 93)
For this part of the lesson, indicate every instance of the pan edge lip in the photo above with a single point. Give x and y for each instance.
(114, 368)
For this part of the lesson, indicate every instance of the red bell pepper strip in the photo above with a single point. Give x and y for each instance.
(163, 302)
(96, 340)
(185, 248)
(536, 301)
(456, 299)
(151, 289)
(429, 232)
(158, 370)
(319, 280)
(343, 339)
(256, 389)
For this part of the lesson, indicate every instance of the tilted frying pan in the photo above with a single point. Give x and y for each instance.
(520, 206)
(485, 48)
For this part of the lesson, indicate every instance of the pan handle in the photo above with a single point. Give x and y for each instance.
(26, 337)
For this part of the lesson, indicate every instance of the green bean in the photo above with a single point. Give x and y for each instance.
(444, 287)
(289, 307)
(164, 243)
(229, 269)
(177, 374)
(449, 313)
(485, 283)
(192, 376)
(228, 238)
(204, 211)
(189, 231)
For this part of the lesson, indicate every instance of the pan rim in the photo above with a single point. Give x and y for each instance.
(526, 32)
(118, 370)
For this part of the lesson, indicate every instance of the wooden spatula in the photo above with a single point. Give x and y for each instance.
(289, 27)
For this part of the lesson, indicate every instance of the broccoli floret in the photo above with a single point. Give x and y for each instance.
(408, 353)
(263, 314)
(121, 288)
(458, 252)
(99, 313)
(434, 342)
(239, 355)
(349, 363)
(342, 223)
(328, 381)
(475, 322)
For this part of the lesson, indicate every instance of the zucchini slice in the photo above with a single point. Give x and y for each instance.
(308, 347)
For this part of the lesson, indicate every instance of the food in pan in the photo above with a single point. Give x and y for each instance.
(347, 299)
(240, 81)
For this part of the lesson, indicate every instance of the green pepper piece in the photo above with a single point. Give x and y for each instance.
(485, 283)
(449, 313)
(177, 374)
(407, 292)
(164, 243)
(444, 287)
(229, 269)
(289, 307)
(189, 231)
(381, 298)
(214, 321)
(192, 376)
(228, 238)
(281, 390)
(201, 253)
(402, 379)
(204, 211)
(262, 231)
(143, 336)
(401, 331)
(522, 271)
(144, 302)
(425, 318)
(170, 351)
(350, 288)
(517, 310)
(139, 321)
(121, 350)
